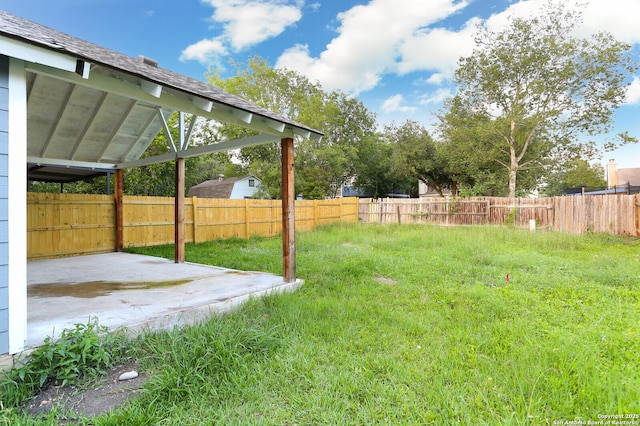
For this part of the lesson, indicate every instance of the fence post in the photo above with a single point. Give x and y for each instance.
(487, 210)
(246, 218)
(636, 211)
(194, 208)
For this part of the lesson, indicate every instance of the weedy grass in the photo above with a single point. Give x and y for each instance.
(84, 351)
(408, 325)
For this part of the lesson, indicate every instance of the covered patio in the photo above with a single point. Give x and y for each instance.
(70, 110)
(136, 292)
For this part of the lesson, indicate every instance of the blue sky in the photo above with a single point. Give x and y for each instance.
(396, 56)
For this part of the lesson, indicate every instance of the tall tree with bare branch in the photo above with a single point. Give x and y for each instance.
(540, 87)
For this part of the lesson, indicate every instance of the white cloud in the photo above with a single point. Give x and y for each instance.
(245, 23)
(633, 92)
(369, 42)
(437, 49)
(382, 37)
(619, 17)
(203, 50)
(249, 22)
(436, 78)
(394, 104)
(435, 98)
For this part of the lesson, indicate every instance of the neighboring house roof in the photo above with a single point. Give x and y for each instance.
(217, 188)
(93, 108)
(629, 176)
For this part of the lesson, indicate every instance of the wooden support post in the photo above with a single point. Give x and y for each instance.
(179, 211)
(288, 212)
(118, 190)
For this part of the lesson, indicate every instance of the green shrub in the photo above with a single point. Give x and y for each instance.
(510, 220)
(85, 350)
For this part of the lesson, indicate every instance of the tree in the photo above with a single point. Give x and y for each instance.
(321, 167)
(470, 154)
(576, 175)
(535, 85)
(374, 173)
(159, 179)
(416, 155)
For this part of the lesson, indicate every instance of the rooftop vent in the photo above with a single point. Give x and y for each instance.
(148, 61)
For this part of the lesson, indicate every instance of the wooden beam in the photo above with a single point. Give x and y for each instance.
(179, 211)
(288, 213)
(195, 151)
(118, 191)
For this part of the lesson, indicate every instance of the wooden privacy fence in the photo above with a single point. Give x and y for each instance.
(71, 224)
(615, 214)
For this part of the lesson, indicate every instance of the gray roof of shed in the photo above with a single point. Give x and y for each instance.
(215, 188)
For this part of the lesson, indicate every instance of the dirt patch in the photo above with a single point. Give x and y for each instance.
(385, 280)
(90, 399)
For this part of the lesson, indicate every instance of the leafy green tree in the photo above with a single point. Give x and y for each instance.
(374, 173)
(280, 91)
(535, 85)
(321, 167)
(577, 174)
(94, 185)
(472, 158)
(159, 179)
(416, 155)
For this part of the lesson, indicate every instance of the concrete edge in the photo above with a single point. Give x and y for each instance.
(6, 362)
(198, 314)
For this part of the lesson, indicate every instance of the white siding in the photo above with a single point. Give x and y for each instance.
(242, 188)
(4, 214)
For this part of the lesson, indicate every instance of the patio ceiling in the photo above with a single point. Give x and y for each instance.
(69, 124)
(91, 110)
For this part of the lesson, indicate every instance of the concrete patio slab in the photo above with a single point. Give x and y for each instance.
(134, 291)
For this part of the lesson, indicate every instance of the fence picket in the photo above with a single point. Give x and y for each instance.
(71, 224)
(616, 214)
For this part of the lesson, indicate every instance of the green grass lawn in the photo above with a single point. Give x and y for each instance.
(408, 325)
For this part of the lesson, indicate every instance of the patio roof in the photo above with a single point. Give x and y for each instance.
(94, 110)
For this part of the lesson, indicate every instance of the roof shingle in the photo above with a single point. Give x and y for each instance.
(214, 188)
